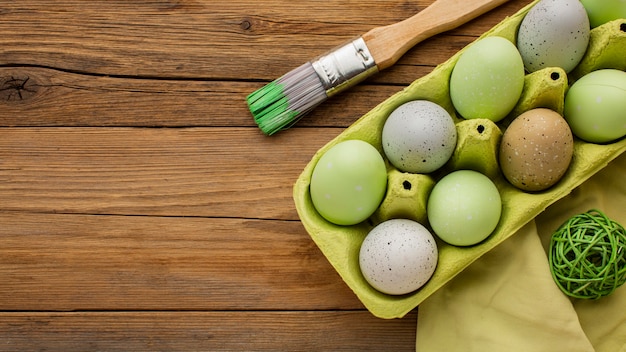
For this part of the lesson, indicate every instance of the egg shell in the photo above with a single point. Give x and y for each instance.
(419, 136)
(595, 106)
(464, 208)
(487, 80)
(603, 11)
(536, 150)
(554, 33)
(349, 182)
(398, 256)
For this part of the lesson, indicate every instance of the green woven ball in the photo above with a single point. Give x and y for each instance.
(588, 256)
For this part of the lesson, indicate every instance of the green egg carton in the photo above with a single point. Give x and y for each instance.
(477, 149)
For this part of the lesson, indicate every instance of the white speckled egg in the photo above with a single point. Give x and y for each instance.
(419, 137)
(398, 256)
(554, 33)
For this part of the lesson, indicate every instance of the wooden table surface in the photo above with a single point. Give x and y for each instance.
(140, 206)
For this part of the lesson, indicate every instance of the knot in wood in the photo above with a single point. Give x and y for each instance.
(17, 87)
(245, 24)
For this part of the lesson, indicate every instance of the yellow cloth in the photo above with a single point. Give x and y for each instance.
(508, 301)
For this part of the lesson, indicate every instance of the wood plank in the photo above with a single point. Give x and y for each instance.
(74, 262)
(215, 40)
(31, 96)
(141, 208)
(206, 331)
(170, 172)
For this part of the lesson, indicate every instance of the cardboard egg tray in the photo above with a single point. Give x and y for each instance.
(477, 149)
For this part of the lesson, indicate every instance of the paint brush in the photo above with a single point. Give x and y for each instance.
(281, 103)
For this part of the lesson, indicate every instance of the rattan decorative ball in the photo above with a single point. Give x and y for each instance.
(588, 255)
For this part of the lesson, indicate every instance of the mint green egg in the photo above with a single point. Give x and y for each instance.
(348, 182)
(487, 80)
(464, 208)
(603, 11)
(595, 106)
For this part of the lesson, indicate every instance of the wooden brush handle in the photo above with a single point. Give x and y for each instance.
(387, 44)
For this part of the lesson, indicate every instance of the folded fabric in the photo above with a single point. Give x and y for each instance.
(508, 301)
(603, 320)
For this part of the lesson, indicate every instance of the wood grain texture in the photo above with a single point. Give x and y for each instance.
(207, 331)
(214, 40)
(216, 172)
(140, 206)
(32, 96)
(86, 262)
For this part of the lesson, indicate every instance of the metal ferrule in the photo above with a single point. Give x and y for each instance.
(345, 66)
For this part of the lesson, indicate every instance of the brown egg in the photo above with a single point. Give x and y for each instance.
(536, 150)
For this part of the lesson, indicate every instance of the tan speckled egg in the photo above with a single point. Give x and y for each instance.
(536, 150)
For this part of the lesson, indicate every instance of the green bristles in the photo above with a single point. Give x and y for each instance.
(270, 108)
(281, 103)
(259, 100)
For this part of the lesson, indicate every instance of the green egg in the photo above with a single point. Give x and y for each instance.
(595, 106)
(488, 79)
(464, 208)
(603, 11)
(348, 182)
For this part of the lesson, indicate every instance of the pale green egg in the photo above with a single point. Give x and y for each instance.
(487, 80)
(595, 106)
(603, 11)
(464, 208)
(348, 182)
